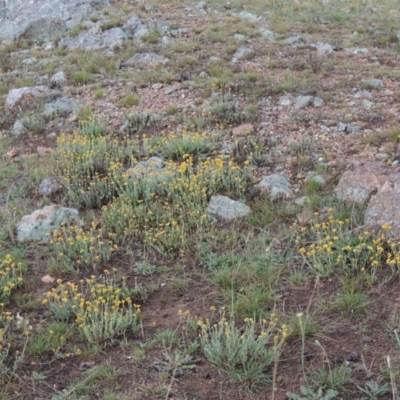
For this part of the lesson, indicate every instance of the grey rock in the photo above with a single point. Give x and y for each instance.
(15, 96)
(134, 28)
(144, 169)
(43, 19)
(367, 104)
(58, 79)
(318, 102)
(179, 32)
(244, 53)
(383, 207)
(161, 27)
(369, 375)
(61, 107)
(201, 5)
(227, 148)
(267, 34)
(303, 101)
(214, 59)
(131, 25)
(318, 179)
(373, 83)
(250, 16)
(358, 50)
(302, 201)
(277, 186)
(239, 37)
(292, 39)
(323, 48)
(224, 208)
(49, 186)
(165, 40)
(286, 100)
(360, 181)
(203, 75)
(366, 339)
(146, 58)
(109, 39)
(19, 126)
(363, 93)
(38, 225)
(350, 128)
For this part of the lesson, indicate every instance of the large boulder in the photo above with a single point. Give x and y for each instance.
(150, 168)
(383, 208)
(43, 19)
(276, 185)
(360, 181)
(222, 207)
(38, 225)
(15, 96)
(108, 39)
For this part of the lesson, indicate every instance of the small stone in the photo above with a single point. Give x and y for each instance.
(15, 96)
(373, 83)
(277, 186)
(38, 225)
(206, 375)
(286, 100)
(147, 59)
(358, 367)
(178, 373)
(367, 339)
(58, 79)
(49, 186)
(353, 357)
(238, 37)
(303, 101)
(338, 360)
(318, 102)
(44, 151)
(86, 365)
(222, 207)
(243, 130)
(341, 331)
(369, 375)
(292, 39)
(244, 53)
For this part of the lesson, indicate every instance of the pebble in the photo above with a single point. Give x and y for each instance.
(367, 339)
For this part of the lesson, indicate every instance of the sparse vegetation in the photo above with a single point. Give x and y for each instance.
(151, 297)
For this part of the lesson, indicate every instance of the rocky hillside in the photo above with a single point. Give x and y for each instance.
(199, 200)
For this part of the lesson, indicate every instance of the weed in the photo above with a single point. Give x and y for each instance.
(244, 354)
(135, 123)
(89, 167)
(351, 303)
(76, 248)
(11, 270)
(309, 394)
(373, 390)
(129, 100)
(107, 313)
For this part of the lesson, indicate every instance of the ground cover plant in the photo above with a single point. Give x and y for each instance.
(150, 296)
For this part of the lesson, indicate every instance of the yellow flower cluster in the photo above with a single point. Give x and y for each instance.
(164, 212)
(90, 167)
(10, 275)
(100, 308)
(176, 146)
(76, 247)
(6, 318)
(336, 245)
